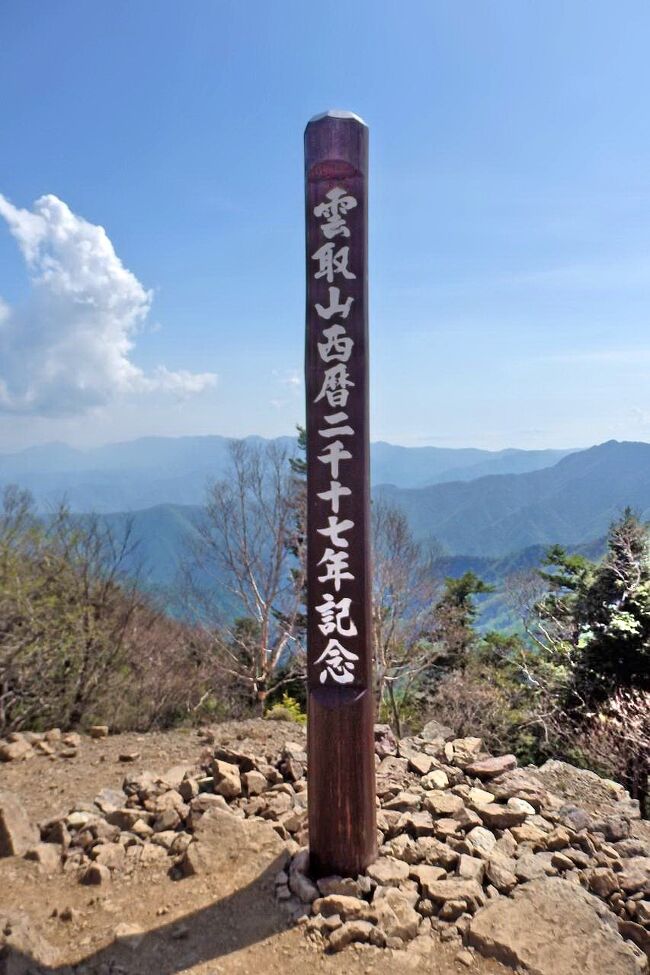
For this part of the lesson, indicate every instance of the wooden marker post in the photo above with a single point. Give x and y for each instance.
(342, 817)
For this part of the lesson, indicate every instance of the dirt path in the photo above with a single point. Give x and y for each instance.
(225, 924)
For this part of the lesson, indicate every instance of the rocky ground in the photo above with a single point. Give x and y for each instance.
(185, 852)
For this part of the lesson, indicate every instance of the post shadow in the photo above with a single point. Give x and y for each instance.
(245, 917)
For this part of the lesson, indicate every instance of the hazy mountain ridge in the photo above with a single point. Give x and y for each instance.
(150, 471)
(571, 502)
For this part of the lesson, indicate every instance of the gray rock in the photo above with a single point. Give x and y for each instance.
(440, 803)
(254, 783)
(17, 834)
(482, 840)
(434, 731)
(47, 855)
(385, 741)
(456, 889)
(551, 927)
(227, 780)
(95, 875)
(495, 816)
(388, 872)
(351, 931)
(15, 751)
(347, 908)
(395, 914)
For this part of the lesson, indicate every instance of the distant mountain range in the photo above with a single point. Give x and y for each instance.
(498, 514)
(572, 502)
(175, 470)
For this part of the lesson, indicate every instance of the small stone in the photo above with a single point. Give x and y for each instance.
(528, 833)
(108, 800)
(489, 768)
(203, 802)
(15, 751)
(434, 731)
(44, 748)
(345, 886)
(426, 874)
(471, 868)
(432, 851)
(446, 828)
(465, 750)
(451, 910)
(110, 855)
(351, 931)
(602, 882)
(420, 763)
(558, 839)
(521, 806)
(479, 797)
(47, 855)
(404, 802)
(467, 819)
(456, 889)
(388, 872)
(98, 731)
(127, 757)
(440, 803)
(95, 875)
(500, 873)
(189, 789)
(17, 834)
(254, 783)
(496, 816)
(436, 779)
(122, 818)
(482, 840)
(530, 866)
(303, 887)
(385, 741)
(227, 780)
(396, 914)
(347, 908)
(561, 862)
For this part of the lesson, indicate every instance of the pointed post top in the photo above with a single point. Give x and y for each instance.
(337, 113)
(336, 139)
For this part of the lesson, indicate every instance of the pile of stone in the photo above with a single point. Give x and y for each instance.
(461, 833)
(152, 819)
(19, 746)
(459, 829)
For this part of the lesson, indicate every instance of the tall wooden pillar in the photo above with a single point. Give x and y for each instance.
(342, 816)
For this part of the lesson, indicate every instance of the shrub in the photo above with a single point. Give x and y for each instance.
(287, 710)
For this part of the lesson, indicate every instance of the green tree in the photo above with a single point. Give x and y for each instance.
(455, 617)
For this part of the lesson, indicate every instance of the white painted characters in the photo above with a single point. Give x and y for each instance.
(336, 205)
(335, 350)
(338, 663)
(331, 263)
(334, 616)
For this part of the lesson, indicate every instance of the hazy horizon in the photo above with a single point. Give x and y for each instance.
(152, 238)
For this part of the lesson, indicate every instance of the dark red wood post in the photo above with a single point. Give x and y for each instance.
(342, 816)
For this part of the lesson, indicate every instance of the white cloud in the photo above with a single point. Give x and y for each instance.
(67, 348)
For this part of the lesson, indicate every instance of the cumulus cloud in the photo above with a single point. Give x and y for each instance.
(67, 348)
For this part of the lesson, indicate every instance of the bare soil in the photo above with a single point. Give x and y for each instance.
(227, 923)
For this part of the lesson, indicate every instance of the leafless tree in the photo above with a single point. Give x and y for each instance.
(404, 593)
(246, 540)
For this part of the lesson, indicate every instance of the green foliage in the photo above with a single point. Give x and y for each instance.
(287, 710)
(597, 617)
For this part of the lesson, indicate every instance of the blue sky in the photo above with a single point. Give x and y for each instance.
(510, 216)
